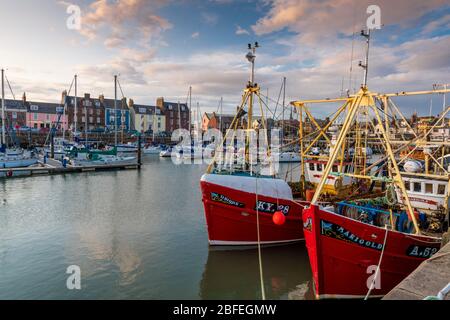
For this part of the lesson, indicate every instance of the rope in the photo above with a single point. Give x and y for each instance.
(378, 267)
(261, 276)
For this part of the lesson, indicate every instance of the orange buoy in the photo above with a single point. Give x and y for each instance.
(279, 218)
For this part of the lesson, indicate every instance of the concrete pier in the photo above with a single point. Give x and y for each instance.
(427, 280)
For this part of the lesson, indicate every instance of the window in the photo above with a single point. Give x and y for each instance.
(428, 188)
(441, 189)
(319, 167)
(47, 117)
(35, 116)
(91, 111)
(42, 125)
(98, 119)
(35, 125)
(335, 168)
(417, 187)
(407, 185)
(91, 119)
(311, 166)
(14, 115)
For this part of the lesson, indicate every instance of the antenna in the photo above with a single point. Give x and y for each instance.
(365, 66)
(251, 56)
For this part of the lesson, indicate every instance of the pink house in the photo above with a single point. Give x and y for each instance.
(43, 115)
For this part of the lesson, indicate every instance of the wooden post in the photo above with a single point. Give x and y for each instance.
(139, 151)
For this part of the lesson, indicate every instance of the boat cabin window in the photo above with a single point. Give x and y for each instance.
(441, 189)
(428, 188)
(407, 185)
(417, 187)
(311, 167)
(319, 167)
(335, 168)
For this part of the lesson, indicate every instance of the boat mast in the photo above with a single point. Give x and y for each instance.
(85, 124)
(115, 110)
(3, 142)
(220, 116)
(365, 66)
(190, 107)
(284, 106)
(251, 56)
(153, 125)
(76, 105)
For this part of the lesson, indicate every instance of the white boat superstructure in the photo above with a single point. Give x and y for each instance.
(426, 194)
(17, 159)
(152, 150)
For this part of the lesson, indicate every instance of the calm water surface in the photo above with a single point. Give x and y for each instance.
(134, 234)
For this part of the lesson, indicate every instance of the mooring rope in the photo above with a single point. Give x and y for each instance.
(378, 267)
(261, 275)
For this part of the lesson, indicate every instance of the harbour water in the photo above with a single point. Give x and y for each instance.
(134, 234)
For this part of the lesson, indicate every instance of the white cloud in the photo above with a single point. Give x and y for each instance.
(195, 35)
(210, 18)
(443, 22)
(241, 31)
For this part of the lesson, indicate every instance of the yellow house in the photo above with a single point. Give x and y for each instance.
(146, 118)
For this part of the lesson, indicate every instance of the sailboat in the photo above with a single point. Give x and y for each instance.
(365, 245)
(240, 203)
(12, 158)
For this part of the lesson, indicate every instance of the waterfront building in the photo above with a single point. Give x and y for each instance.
(45, 115)
(15, 113)
(146, 118)
(213, 121)
(177, 114)
(88, 108)
(122, 115)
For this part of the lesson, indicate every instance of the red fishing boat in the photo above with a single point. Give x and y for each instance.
(242, 205)
(234, 203)
(364, 245)
(344, 254)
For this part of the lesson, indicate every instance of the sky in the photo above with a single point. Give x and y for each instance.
(161, 47)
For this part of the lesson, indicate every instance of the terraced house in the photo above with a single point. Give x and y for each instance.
(177, 114)
(146, 119)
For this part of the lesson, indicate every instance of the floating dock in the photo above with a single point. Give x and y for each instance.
(54, 167)
(427, 280)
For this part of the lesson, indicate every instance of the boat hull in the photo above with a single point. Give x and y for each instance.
(344, 255)
(231, 216)
(17, 163)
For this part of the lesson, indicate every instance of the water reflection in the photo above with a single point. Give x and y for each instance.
(233, 273)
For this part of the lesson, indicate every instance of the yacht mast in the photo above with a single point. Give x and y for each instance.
(3, 142)
(284, 106)
(115, 110)
(76, 105)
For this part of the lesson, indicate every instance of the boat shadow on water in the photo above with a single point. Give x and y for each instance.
(233, 272)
